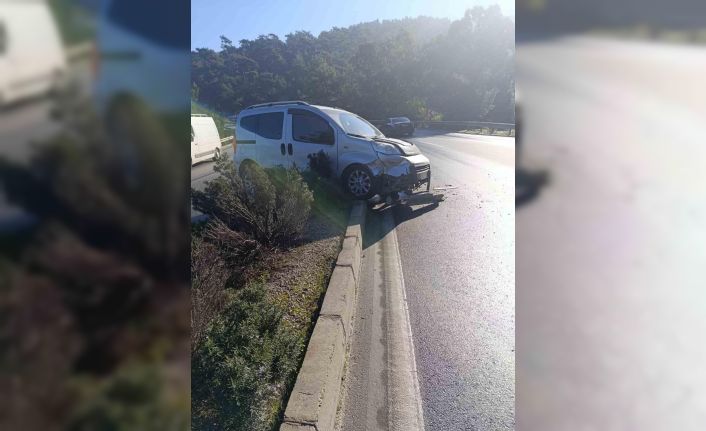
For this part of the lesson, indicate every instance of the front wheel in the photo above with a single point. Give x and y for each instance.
(359, 182)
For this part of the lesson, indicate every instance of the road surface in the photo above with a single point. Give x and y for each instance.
(458, 268)
(610, 255)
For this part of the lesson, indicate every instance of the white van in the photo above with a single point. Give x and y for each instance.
(367, 162)
(32, 58)
(205, 140)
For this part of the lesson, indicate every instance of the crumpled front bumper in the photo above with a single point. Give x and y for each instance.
(403, 173)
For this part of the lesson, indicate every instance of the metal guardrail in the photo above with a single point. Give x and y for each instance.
(468, 124)
(75, 52)
(226, 139)
(459, 125)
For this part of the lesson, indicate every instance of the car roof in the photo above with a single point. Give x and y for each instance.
(288, 104)
(266, 107)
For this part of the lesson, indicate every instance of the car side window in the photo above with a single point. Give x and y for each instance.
(309, 127)
(268, 125)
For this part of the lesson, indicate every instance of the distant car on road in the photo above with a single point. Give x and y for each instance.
(398, 126)
(205, 140)
(32, 58)
(366, 162)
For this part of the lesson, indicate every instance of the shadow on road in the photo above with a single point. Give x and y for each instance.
(412, 207)
(528, 185)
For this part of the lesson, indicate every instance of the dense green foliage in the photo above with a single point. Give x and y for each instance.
(244, 364)
(423, 68)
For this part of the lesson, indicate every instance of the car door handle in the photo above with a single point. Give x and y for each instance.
(289, 149)
(281, 149)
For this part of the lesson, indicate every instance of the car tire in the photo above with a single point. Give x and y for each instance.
(359, 182)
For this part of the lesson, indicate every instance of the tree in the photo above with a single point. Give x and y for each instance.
(460, 70)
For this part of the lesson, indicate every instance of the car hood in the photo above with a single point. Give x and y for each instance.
(407, 148)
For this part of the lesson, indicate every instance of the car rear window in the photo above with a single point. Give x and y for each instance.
(268, 125)
(160, 21)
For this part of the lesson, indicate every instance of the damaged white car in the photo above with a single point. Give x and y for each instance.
(367, 163)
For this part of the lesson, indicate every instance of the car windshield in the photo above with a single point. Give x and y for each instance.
(354, 125)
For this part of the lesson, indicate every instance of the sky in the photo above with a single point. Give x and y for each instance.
(248, 19)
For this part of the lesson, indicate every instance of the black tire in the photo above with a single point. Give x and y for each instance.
(359, 182)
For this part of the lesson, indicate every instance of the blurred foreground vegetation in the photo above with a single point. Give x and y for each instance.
(76, 24)
(94, 295)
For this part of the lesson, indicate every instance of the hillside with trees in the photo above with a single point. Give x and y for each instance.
(424, 68)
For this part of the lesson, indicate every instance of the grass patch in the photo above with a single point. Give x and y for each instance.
(330, 202)
(76, 25)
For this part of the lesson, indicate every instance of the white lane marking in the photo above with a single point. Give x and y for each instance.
(404, 399)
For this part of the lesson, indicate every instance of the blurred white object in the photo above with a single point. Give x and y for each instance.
(139, 55)
(610, 257)
(32, 59)
(205, 140)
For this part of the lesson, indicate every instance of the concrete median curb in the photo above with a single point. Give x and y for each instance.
(314, 399)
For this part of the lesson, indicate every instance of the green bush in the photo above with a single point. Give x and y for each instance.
(271, 205)
(129, 400)
(221, 258)
(320, 163)
(244, 365)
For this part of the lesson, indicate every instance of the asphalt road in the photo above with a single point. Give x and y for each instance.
(458, 267)
(610, 255)
(458, 261)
